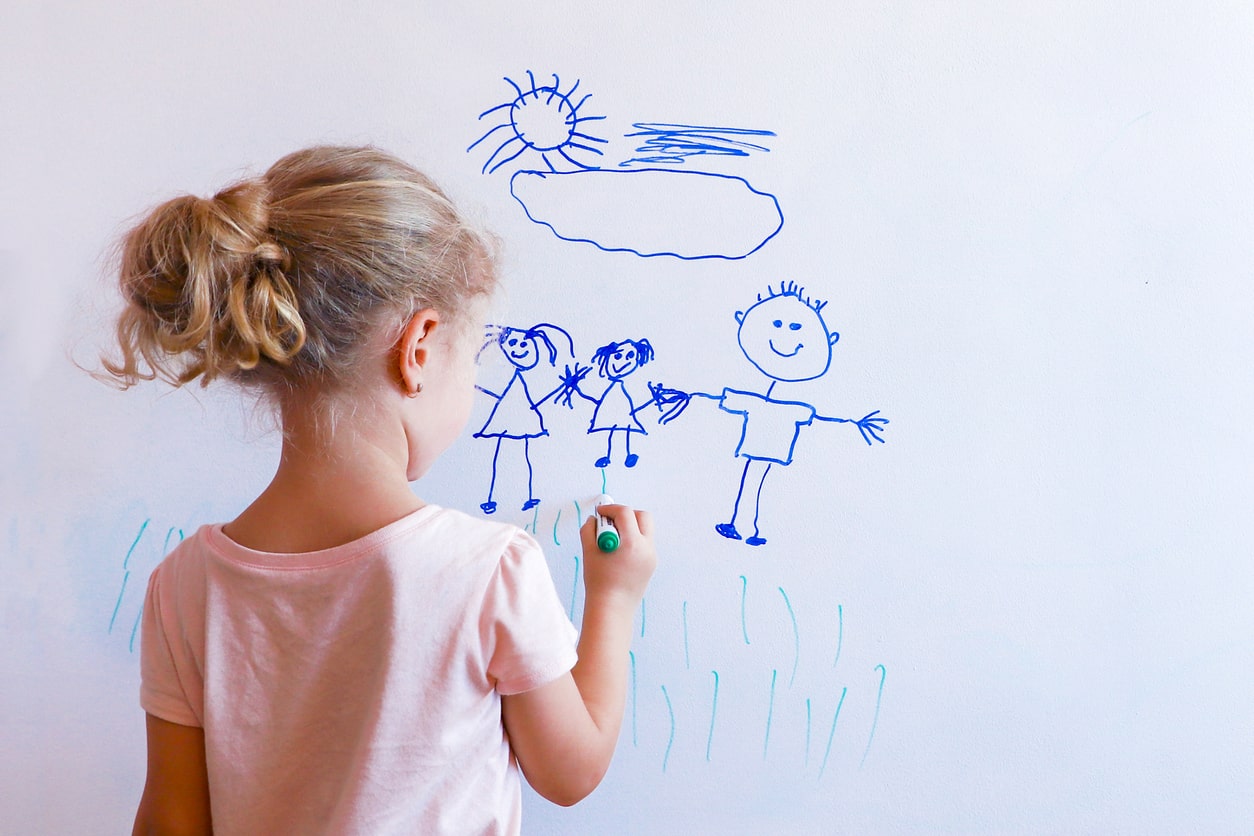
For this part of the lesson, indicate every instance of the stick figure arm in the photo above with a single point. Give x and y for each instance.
(672, 402)
(870, 426)
(568, 386)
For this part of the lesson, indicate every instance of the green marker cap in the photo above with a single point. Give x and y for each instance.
(607, 541)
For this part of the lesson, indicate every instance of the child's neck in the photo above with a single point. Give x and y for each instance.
(330, 488)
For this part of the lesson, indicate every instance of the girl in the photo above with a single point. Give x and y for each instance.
(344, 657)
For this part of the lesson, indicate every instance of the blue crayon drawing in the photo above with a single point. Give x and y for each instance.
(541, 119)
(516, 415)
(668, 144)
(783, 334)
(650, 211)
(614, 409)
(689, 215)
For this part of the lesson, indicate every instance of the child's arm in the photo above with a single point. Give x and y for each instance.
(176, 792)
(564, 733)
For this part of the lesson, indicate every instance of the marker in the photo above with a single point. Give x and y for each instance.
(607, 535)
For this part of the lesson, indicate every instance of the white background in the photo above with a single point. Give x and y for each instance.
(1031, 224)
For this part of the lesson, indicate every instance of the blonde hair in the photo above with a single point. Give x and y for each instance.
(280, 280)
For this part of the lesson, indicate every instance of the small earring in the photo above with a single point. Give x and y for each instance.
(417, 389)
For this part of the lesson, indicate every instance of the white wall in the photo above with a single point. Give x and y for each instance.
(1031, 227)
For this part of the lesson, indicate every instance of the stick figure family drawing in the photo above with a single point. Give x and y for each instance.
(782, 334)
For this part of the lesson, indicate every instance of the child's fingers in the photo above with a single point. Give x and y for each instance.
(623, 518)
(644, 523)
(588, 532)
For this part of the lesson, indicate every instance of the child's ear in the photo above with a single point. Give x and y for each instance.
(414, 348)
(832, 338)
(740, 317)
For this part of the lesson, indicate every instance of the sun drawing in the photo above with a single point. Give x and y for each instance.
(542, 119)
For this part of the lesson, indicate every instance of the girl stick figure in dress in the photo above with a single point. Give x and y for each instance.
(615, 411)
(516, 414)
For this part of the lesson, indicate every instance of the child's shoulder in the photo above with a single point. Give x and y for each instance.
(477, 534)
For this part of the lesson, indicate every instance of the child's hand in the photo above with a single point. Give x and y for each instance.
(623, 573)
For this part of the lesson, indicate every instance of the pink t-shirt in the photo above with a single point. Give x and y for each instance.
(356, 689)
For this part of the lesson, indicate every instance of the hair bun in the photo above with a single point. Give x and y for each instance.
(272, 253)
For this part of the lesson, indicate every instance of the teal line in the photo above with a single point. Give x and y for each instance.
(578, 514)
(135, 629)
(744, 588)
(709, 741)
(603, 482)
(642, 613)
(671, 711)
(535, 521)
(574, 590)
(875, 720)
(807, 763)
(634, 740)
(796, 638)
(687, 661)
(840, 634)
(126, 576)
(555, 522)
(770, 712)
(131, 550)
(832, 733)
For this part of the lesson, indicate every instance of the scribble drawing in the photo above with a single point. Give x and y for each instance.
(516, 415)
(689, 215)
(541, 119)
(667, 144)
(879, 697)
(650, 211)
(615, 411)
(783, 334)
(129, 568)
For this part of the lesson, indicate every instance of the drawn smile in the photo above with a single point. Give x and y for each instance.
(620, 370)
(521, 355)
(792, 353)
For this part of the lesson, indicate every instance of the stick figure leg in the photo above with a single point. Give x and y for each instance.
(604, 461)
(728, 529)
(757, 539)
(489, 507)
(531, 498)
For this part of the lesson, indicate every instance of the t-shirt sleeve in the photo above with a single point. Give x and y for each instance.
(161, 692)
(530, 640)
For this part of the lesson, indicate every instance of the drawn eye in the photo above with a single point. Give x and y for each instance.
(618, 355)
(794, 326)
(513, 342)
(779, 323)
(631, 355)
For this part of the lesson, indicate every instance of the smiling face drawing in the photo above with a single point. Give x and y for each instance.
(786, 338)
(622, 362)
(520, 349)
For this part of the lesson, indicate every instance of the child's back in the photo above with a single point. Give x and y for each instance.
(343, 657)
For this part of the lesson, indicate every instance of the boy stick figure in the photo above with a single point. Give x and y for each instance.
(785, 337)
(516, 414)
